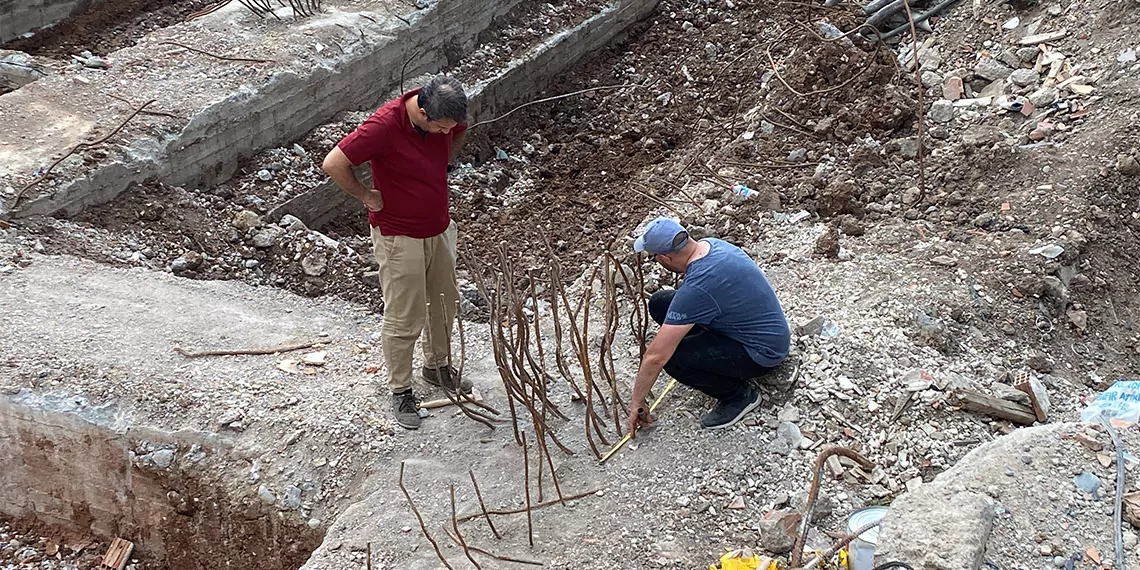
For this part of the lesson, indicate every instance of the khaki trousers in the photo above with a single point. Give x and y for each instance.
(413, 274)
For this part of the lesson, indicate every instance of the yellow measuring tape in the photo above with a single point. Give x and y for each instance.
(625, 438)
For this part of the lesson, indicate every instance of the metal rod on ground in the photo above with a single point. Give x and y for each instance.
(492, 554)
(419, 518)
(1116, 443)
(526, 491)
(459, 535)
(504, 512)
(620, 443)
(482, 505)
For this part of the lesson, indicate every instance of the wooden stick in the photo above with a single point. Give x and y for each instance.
(245, 351)
(214, 55)
(368, 554)
(459, 535)
(419, 518)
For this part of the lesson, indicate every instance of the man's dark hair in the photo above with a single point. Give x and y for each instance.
(443, 98)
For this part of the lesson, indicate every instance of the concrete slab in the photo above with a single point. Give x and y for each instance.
(218, 111)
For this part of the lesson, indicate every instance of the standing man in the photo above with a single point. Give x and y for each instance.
(410, 141)
(720, 329)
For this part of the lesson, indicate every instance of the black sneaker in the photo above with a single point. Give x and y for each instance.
(728, 412)
(445, 378)
(404, 408)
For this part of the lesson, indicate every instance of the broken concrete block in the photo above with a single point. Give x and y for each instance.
(933, 529)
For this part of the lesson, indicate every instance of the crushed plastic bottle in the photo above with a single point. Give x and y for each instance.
(742, 190)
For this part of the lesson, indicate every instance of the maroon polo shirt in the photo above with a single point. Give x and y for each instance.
(408, 168)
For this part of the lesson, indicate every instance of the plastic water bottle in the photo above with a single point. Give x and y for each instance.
(742, 190)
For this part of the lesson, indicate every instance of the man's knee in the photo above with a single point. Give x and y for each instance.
(659, 305)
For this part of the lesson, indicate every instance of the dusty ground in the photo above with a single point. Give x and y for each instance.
(942, 280)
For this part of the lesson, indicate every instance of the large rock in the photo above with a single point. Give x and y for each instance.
(931, 530)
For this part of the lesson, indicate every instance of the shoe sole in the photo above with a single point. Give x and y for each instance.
(407, 426)
(755, 404)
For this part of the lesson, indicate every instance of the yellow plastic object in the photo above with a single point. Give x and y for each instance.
(735, 560)
(843, 563)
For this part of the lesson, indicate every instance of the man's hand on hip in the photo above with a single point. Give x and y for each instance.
(373, 201)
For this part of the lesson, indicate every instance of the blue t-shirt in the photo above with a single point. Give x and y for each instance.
(727, 293)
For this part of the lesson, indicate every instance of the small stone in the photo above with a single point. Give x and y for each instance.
(798, 155)
(314, 523)
(264, 175)
(292, 223)
(810, 328)
(1026, 459)
(251, 263)
(189, 261)
(1043, 97)
(246, 220)
(315, 264)
(777, 531)
(293, 497)
(163, 459)
(266, 495)
(1009, 393)
(1128, 165)
(1027, 54)
(265, 239)
(1024, 77)
(908, 147)
(944, 261)
(991, 69)
(942, 111)
(952, 89)
(790, 433)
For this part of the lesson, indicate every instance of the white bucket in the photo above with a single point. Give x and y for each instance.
(861, 553)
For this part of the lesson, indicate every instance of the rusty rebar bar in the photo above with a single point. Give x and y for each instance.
(482, 505)
(459, 535)
(813, 494)
(492, 554)
(526, 489)
(473, 414)
(504, 512)
(419, 518)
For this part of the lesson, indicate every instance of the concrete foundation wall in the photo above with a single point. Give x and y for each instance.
(218, 137)
(18, 17)
(523, 80)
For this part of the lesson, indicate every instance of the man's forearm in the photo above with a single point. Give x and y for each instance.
(346, 179)
(646, 377)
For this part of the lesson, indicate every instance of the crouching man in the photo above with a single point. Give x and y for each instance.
(721, 329)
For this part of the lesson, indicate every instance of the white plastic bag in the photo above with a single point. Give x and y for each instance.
(1119, 403)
